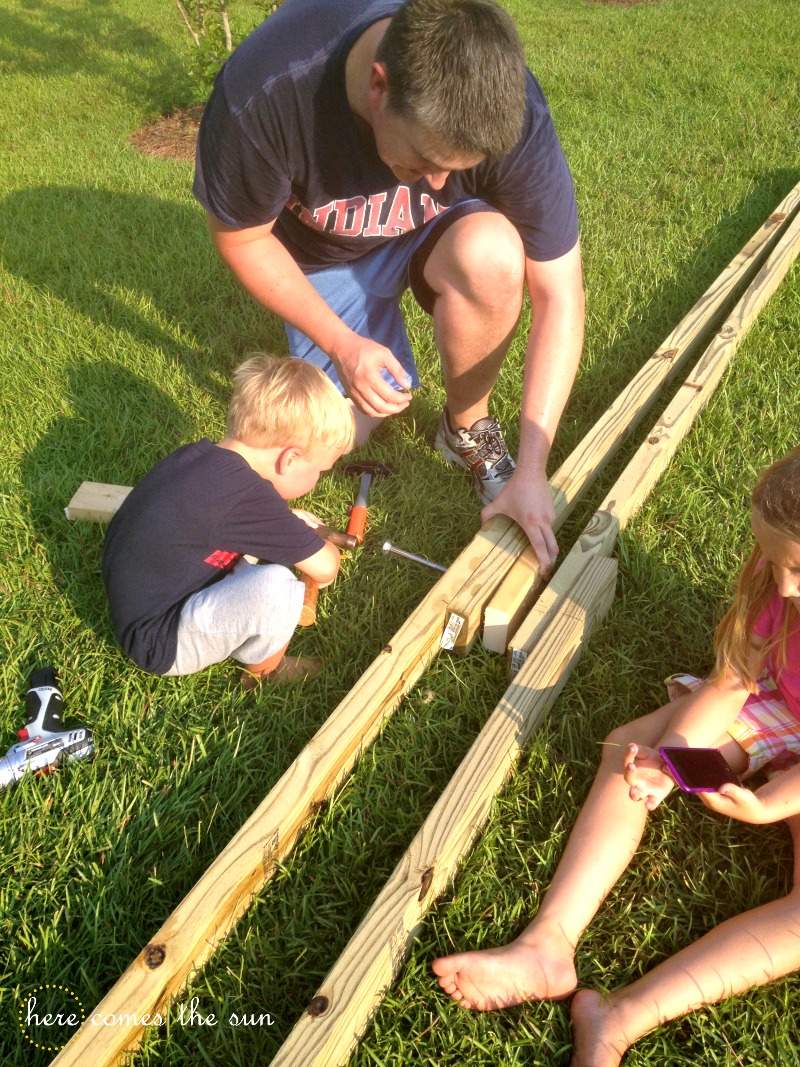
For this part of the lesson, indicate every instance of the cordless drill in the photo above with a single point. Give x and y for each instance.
(43, 744)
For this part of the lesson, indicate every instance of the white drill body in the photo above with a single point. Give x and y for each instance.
(43, 744)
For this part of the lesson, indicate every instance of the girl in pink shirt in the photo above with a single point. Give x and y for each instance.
(749, 708)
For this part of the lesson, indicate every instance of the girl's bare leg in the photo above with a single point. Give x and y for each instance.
(539, 963)
(748, 950)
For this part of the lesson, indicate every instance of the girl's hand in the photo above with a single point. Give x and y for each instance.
(644, 772)
(308, 518)
(738, 803)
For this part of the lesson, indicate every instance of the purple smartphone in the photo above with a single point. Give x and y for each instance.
(698, 770)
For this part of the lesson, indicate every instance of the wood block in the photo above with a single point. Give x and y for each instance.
(512, 601)
(556, 595)
(96, 501)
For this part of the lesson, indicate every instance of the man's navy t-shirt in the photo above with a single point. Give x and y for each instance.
(278, 140)
(182, 527)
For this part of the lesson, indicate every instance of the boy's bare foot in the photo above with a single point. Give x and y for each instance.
(534, 969)
(290, 669)
(599, 1040)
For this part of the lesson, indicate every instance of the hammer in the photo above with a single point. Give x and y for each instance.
(358, 515)
(308, 615)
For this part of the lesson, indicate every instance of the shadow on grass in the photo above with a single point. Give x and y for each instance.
(119, 427)
(611, 368)
(95, 39)
(140, 266)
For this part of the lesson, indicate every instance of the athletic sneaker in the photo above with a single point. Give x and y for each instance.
(481, 450)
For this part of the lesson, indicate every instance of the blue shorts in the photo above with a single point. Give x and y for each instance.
(365, 293)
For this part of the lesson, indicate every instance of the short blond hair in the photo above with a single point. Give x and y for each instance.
(288, 402)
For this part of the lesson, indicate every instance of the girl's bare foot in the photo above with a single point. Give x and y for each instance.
(537, 968)
(598, 1037)
(289, 669)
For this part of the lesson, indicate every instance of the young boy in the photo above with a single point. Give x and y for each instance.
(180, 594)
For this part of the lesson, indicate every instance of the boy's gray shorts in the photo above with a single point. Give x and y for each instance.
(249, 614)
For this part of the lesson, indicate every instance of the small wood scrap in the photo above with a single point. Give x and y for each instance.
(96, 501)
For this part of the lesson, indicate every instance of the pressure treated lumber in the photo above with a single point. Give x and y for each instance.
(641, 474)
(223, 894)
(213, 906)
(340, 1012)
(516, 591)
(96, 501)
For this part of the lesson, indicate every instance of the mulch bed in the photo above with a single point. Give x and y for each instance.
(172, 136)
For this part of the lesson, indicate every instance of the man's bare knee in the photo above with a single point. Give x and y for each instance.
(483, 259)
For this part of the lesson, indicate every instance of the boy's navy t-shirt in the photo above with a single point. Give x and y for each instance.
(278, 141)
(182, 527)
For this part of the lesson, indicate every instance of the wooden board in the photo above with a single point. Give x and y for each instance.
(223, 894)
(641, 474)
(213, 906)
(516, 592)
(339, 1013)
(96, 501)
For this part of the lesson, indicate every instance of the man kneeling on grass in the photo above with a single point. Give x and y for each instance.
(181, 595)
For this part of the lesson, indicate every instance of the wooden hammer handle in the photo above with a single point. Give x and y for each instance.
(341, 540)
(308, 613)
(357, 523)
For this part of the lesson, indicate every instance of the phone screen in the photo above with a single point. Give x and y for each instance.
(698, 770)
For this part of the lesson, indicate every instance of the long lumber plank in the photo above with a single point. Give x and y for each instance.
(514, 591)
(340, 1012)
(353, 990)
(651, 459)
(212, 907)
(209, 911)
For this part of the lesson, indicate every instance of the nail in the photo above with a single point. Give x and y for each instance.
(389, 547)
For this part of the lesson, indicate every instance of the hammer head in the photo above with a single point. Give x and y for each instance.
(367, 466)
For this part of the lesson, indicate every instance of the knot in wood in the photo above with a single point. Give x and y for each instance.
(387, 650)
(425, 883)
(779, 216)
(668, 353)
(727, 330)
(154, 956)
(653, 440)
(318, 1006)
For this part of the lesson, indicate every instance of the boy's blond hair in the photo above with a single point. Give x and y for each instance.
(776, 499)
(288, 402)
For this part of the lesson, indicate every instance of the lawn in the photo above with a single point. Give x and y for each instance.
(118, 332)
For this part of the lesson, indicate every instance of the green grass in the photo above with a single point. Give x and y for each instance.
(118, 332)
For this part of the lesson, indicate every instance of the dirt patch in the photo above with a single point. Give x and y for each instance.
(172, 136)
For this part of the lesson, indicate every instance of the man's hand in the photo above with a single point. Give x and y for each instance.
(643, 771)
(528, 501)
(359, 362)
(269, 273)
(738, 803)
